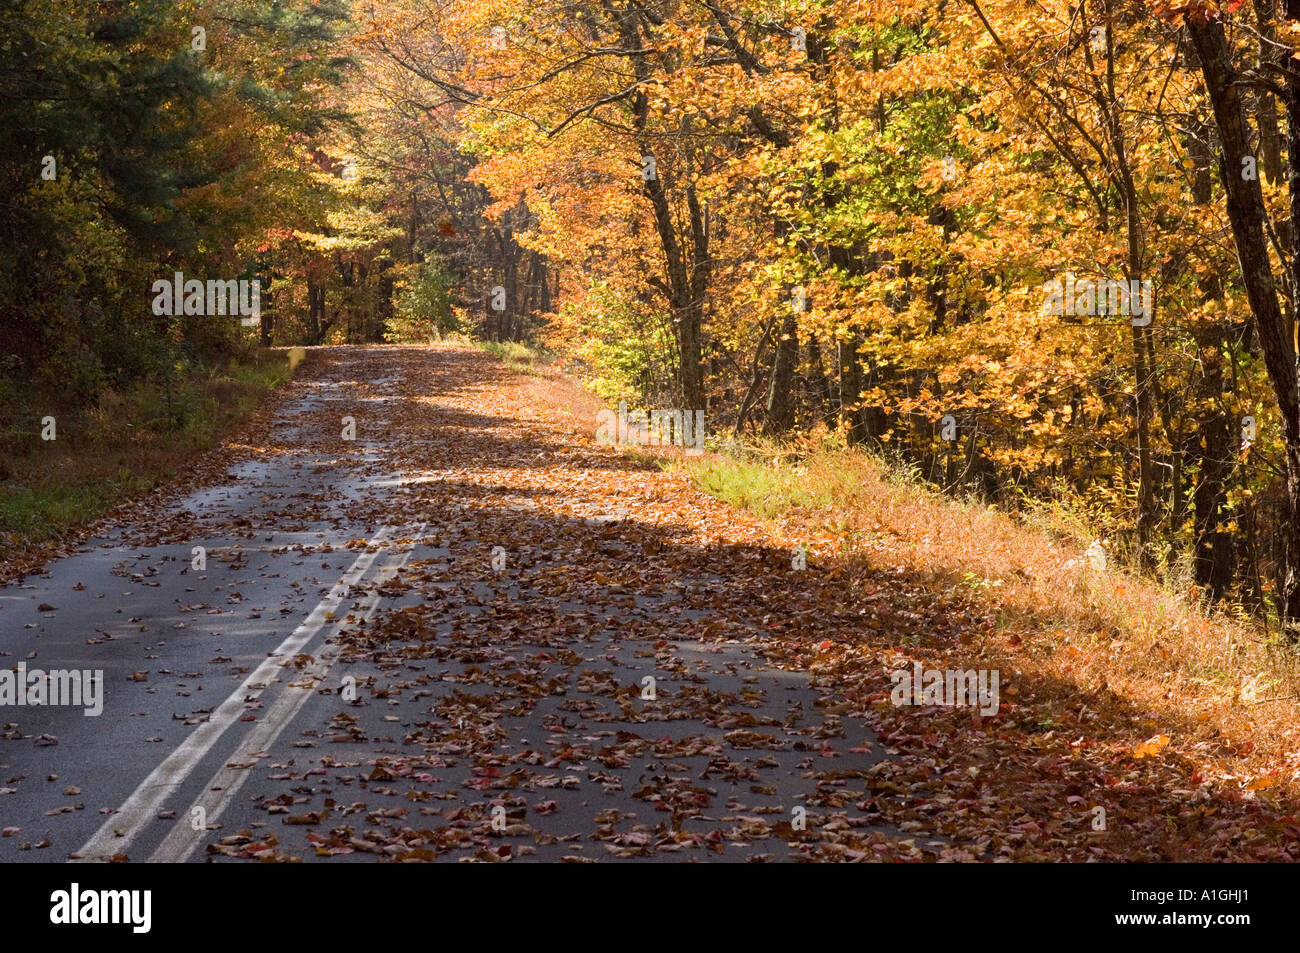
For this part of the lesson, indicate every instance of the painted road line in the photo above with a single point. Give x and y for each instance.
(141, 808)
(226, 783)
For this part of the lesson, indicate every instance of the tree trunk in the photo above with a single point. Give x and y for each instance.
(687, 272)
(1270, 139)
(821, 385)
(315, 312)
(1142, 371)
(1245, 206)
(780, 391)
(1213, 546)
(268, 313)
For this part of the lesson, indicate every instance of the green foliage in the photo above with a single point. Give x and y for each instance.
(127, 441)
(630, 350)
(424, 311)
(516, 356)
(825, 481)
(161, 162)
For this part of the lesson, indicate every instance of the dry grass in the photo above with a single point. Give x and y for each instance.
(124, 445)
(1123, 642)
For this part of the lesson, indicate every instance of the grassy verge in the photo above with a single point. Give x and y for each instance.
(1125, 643)
(520, 357)
(127, 443)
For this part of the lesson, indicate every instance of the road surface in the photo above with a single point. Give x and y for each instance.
(467, 632)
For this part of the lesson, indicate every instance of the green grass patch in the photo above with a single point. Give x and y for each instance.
(822, 481)
(518, 357)
(129, 442)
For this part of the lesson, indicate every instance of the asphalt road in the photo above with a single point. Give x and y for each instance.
(431, 641)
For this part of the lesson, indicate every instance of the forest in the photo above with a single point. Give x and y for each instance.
(1045, 254)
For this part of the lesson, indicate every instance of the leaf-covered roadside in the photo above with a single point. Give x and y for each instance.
(516, 694)
(1126, 730)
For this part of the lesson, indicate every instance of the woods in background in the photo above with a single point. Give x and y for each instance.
(1040, 251)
